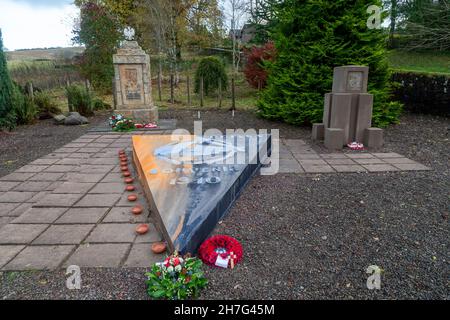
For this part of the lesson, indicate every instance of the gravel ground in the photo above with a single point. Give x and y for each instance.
(312, 237)
(28, 143)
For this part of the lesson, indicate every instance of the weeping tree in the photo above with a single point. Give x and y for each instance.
(311, 38)
(7, 115)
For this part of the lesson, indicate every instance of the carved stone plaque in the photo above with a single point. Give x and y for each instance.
(355, 81)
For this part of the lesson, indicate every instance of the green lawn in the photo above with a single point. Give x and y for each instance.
(429, 62)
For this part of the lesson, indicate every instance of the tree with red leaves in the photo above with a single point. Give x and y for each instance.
(255, 71)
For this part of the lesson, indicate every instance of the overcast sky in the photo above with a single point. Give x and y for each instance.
(36, 23)
(29, 24)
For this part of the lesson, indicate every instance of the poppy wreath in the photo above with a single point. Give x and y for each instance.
(220, 245)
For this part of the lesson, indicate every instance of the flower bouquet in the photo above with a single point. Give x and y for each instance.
(125, 125)
(114, 119)
(176, 278)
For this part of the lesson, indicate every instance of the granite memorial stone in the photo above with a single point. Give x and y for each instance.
(348, 111)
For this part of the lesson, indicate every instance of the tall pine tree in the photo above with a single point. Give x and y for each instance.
(312, 37)
(7, 118)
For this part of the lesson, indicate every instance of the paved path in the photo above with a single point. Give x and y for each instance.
(70, 207)
(298, 157)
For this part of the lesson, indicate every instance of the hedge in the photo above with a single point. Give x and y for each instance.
(423, 93)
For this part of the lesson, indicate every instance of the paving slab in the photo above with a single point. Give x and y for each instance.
(411, 167)
(123, 202)
(47, 176)
(98, 200)
(32, 168)
(360, 155)
(17, 176)
(369, 161)
(21, 209)
(82, 216)
(113, 177)
(109, 187)
(306, 156)
(141, 256)
(61, 168)
(380, 167)
(113, 233)
(21, 233)
(345, 161)
(38, 196)
(71, 161)
(39, 216)
(5, 220)
(318, 169)
(92, 168)
(99, 255)
(74, 187)
(64, 234)
(333, 156)
(152, 236)
(102, 161)
(8, 185)
(44, 161)
(39, 258)
(16, 197)
(8, 252)
(124, 214)
(59, 200)
(387, 155)
(349, 168)
(84, 177)
(78, 156)
(33, 186)
(7, 208)
(57, 155)
(399, 161)
(313, 162)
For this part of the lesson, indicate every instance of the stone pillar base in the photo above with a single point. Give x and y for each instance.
(373, 138)
(318, 131)
(142, 116)
(334, 138)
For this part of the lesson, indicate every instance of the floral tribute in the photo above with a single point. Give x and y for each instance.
(356, 146)
(176, 278)
(221, 251)
(119, 123)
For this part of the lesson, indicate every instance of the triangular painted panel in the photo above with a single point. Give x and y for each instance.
(192, 182)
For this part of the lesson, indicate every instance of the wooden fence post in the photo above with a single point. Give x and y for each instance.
(188, 83)
(202, 88)
(172, 98)
(159, 85)
(30, 90)
(220, 93)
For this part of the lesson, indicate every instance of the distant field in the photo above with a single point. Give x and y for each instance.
(43, 54)
(429, 62)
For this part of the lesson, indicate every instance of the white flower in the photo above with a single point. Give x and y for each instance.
(178, 268)
(170, 269)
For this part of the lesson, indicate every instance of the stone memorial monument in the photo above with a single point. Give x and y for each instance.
(348, 111)
(132, 82)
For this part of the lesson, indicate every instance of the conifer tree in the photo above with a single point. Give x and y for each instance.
(312, 37)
